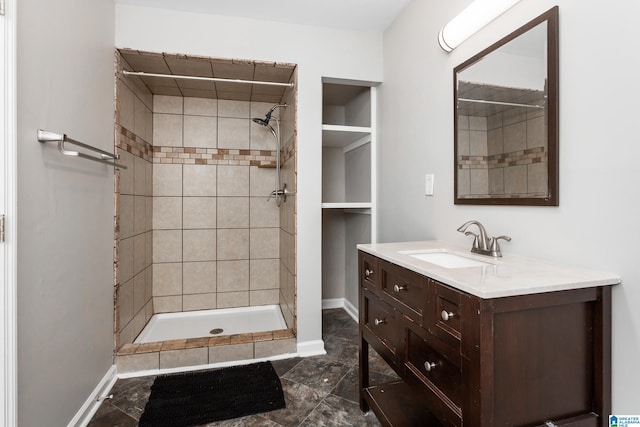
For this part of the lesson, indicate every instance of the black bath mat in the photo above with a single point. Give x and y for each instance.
(203, 397)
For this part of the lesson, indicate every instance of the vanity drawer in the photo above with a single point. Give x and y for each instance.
(444, 317)
(404, 289)
(379, 319)
(435, 374)
(368, 268)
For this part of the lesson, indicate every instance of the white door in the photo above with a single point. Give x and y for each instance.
(8, 416)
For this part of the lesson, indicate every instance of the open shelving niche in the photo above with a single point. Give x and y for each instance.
(348, 184)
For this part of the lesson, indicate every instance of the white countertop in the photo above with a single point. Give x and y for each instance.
(507, 276)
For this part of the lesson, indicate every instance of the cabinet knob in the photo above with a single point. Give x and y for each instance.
(446, 315)
(379, 322)
(398, 288)
(429, 366)
(368, 272)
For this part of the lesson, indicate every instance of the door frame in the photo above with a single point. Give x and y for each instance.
(8, 207)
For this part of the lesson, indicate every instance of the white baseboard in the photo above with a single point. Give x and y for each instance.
(330, 303)
(343, 303)
(351, 310)
(311, 348)
(95, 399)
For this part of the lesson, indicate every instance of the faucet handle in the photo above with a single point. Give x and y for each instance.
(475, 238)
(495, 247)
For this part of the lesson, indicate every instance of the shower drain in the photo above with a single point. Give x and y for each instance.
(216, 331)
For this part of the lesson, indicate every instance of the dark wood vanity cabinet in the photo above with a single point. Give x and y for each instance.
(528, 360)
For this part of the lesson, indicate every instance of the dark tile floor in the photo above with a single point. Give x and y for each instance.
(319, 390)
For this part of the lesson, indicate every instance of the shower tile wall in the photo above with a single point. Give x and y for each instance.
(193, 228)
(133, 215)
(288, 278)
(517, 141)
(472, 146)
(504, 153)
(216, 237)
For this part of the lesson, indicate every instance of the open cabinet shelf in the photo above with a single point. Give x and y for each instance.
(346, 137)
(347, 205)
(348, 184)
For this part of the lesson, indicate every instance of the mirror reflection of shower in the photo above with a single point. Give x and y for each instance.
(280, 192)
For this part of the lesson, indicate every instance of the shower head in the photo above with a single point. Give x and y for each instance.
(265, 122)
(267, 117)
(262, 122)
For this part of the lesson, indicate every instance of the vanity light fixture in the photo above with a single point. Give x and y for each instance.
(478, 14)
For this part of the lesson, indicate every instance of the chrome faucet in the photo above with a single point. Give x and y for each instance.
(481, 243)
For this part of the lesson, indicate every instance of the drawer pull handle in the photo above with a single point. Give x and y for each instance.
(446, 315)
(398, 288)
(429, 366)
(379, 322)
(368, 272)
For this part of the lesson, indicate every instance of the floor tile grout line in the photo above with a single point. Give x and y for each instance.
(314, 408)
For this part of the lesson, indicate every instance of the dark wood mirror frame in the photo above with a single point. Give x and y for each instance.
(551, 113)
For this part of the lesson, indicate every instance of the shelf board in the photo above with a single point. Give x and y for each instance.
(347, 205)
(342, 136)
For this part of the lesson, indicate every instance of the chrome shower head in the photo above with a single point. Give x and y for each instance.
(265, 122)
(267, 117)
(262, 122)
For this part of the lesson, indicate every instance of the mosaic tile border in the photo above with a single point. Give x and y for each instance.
(137, 146)
(132, 143)
(213, 156)
(516, 158)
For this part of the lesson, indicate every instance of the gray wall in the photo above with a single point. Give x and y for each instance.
(65, 207)
(594, 226)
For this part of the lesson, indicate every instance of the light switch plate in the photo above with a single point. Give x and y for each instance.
(428, 184)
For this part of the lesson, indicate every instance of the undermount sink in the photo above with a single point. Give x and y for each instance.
(446, 259)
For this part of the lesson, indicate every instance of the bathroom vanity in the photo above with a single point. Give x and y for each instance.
(480, 341)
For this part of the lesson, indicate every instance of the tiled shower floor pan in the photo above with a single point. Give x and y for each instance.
(208, 323)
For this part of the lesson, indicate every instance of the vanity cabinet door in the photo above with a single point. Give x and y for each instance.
(379, 322)
(444, 313)
(403, 289)
(435, 371)
(369, 272)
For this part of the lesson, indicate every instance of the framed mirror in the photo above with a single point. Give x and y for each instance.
(506, 119)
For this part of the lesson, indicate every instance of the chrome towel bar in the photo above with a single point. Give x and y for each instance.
(61, 138)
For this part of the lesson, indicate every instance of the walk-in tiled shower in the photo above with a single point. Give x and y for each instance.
(195, 228)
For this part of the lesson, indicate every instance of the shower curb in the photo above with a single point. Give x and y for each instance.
(205, 350)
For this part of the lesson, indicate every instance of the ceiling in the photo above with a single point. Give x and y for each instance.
(358, 15)
(183, 65)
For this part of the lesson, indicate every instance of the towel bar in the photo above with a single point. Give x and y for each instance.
(105, 157)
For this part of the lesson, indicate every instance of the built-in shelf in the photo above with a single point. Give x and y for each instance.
(347, 205)
(348, 183)
(348, 137)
